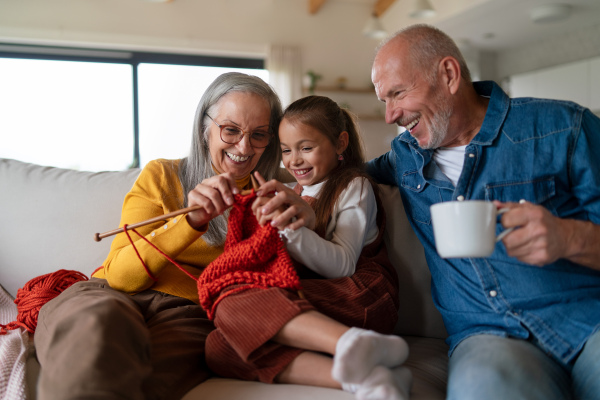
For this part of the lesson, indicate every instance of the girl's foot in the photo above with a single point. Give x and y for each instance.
(358, 351)
(386, 384)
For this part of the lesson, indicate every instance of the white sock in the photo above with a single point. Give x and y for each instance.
(359, 350)
(350, 387)
(386, 384)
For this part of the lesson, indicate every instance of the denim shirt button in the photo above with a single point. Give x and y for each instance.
(460, 198)
(418, 186)
(493, 293)
(471, 155)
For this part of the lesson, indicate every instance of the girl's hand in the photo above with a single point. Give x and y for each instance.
(215, 195)
(285, 209)
(257, 210)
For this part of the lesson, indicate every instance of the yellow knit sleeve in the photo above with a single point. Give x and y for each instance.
(156, 191)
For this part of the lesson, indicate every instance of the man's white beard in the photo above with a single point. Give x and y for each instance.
(439, 124)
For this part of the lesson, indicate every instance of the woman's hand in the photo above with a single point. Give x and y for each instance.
(215, 195)
(282, 206)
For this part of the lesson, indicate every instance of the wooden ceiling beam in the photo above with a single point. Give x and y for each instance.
(315, 5)
(381, 6)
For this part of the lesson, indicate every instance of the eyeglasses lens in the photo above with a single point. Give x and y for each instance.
(232, 135)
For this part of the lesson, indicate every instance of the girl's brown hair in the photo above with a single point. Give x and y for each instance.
(324, 115)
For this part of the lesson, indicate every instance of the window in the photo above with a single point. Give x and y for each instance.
(169, 95)
(102, 110)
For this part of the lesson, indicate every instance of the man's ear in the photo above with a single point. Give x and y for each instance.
(343, 140)
(449, 69)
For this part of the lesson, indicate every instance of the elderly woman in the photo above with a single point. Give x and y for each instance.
(136, 330)
(140, 334)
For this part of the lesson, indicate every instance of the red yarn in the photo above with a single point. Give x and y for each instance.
(138, 253)
(38, 292)
(158, 250)
(254, 257)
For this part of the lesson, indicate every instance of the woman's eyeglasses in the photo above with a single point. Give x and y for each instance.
(232, 134)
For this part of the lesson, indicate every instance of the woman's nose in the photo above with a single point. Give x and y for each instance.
(244, 144)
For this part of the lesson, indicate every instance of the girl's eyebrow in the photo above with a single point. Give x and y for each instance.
(301, 142)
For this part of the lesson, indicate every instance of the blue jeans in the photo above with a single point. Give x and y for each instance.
(493, 367)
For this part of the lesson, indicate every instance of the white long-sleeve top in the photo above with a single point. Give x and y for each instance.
(353, 225)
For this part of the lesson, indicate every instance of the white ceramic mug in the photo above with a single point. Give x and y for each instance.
(466, 229)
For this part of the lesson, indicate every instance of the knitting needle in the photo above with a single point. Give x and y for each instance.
(255, 184)
(99, 236)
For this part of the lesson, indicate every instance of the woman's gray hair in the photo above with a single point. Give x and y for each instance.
(428, 45)
(198, 165)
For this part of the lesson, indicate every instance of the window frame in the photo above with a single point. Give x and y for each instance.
(133, 58)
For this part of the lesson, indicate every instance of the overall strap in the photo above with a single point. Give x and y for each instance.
(309, 199)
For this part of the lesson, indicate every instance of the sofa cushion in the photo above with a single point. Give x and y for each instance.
(50, 216)
(427, 361)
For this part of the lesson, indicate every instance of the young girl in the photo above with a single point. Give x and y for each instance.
(333, 225)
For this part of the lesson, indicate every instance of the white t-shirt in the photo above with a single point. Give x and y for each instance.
(450, 160)
(353, 225)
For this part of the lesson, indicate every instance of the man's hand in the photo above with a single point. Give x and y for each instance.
(540, 238)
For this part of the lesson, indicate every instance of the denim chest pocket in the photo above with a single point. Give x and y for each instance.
(416, 187)
(537, 191)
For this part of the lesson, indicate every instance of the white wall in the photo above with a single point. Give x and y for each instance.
(577, 81)
(581, 44)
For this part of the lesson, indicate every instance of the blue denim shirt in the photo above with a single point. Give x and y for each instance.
(544, 151)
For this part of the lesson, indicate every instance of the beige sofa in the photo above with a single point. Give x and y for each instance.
(50, 216)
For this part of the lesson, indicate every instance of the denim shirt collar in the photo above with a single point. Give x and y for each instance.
(492, 124)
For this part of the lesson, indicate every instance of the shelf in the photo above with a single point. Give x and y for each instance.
(340, 90)
(360, 105)
(372, 117)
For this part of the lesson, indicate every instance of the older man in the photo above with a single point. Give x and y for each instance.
(523, 323)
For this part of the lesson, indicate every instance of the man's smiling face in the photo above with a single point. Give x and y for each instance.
(411, 101)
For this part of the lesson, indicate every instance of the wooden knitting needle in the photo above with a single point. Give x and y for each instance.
(255, 184)
(99, 236)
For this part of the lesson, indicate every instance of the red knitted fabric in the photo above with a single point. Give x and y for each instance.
(38, 292)
(254, 257)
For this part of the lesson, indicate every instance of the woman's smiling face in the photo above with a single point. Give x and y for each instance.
(249, 112)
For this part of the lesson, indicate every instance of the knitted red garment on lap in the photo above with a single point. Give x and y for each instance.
(254, 257)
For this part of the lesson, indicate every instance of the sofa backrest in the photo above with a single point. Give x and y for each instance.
(417, 315)
(51, 215)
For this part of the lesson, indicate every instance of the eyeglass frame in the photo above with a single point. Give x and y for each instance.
(270, 136)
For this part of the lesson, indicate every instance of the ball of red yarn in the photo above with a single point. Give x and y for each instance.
(37, 292)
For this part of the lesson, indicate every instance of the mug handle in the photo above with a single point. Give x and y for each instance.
(505, 232)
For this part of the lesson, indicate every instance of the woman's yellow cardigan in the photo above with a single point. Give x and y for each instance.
(158, 191)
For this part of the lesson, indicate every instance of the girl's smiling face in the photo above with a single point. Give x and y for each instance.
(307, 153)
